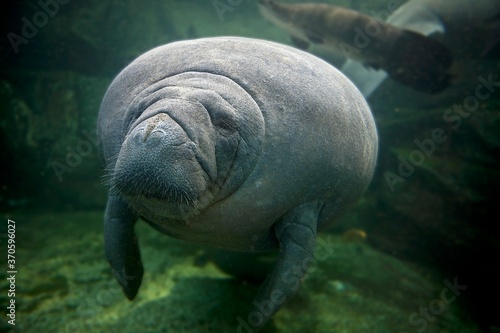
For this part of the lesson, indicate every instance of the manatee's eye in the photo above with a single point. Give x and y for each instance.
(225, 126)
(222, 115)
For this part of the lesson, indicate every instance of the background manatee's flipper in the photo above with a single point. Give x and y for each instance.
(418, 17)
(121, 245)
(366, 79)
(420, 62)
(296, 233)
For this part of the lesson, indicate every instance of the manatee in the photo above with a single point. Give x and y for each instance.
(469, 28)
(237, 143)
(409, 58)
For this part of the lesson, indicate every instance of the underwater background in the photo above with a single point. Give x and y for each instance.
(384, 266)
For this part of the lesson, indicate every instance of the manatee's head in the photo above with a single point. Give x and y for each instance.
(161, 168)
(184, 151)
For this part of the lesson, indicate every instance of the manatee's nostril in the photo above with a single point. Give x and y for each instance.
(155, 137)
(142, 136)
(137, 137)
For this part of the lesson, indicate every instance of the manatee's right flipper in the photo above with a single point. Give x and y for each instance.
(420, 62)
(296, 234)
(122, 249)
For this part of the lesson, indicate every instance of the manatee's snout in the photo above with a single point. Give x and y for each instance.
(158, 170)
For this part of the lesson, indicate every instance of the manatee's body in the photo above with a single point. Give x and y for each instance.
(237, 143)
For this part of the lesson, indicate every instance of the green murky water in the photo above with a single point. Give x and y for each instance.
(425, 260)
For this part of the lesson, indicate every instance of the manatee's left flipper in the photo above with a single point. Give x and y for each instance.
(296, 233)
(122, 249)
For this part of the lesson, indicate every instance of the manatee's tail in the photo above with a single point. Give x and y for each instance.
(420, 62)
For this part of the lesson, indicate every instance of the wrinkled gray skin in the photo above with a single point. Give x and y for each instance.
(238, 143)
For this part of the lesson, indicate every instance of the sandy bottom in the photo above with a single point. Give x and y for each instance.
(64, 285)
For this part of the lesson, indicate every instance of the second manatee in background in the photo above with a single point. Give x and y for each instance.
(408, 57)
